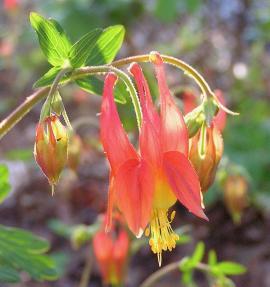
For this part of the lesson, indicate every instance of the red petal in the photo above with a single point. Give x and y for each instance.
(174, 134)
(134, 192)
(148, 107)
(184, 181)
(113, 136)
(110, 204)
(149, 136)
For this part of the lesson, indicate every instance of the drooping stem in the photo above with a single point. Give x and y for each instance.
(198, 78)
(154, 277)
(10, 121)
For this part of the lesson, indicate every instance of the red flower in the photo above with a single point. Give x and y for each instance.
(145, 184)
(111, 251)
(51, 147)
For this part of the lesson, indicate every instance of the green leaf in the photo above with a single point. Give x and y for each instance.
(48, 78)
(94, 86)
(198, 253)
(4, 182)
(52, 39)
(231, 268)
(82, 49)
(9, 275)
(20, 250)
(107, 46)
(212, 258)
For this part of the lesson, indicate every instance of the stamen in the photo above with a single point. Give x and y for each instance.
(162, 236)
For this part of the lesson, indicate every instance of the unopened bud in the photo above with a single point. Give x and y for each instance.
(194, 121)
(205, 152)
(51, 147)
(74, 152)
(235, 195)
(79, 236)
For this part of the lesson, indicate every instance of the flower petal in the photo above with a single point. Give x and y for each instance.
(110, 204)
(134, 192)
(183, 181)
(113, 136)
(174, 134)
(150, 146)
(148, 107)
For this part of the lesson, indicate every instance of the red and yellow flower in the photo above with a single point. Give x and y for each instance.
(111, 250)
(144, 184)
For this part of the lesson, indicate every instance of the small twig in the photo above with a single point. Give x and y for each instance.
(87, 268)
(154, 277)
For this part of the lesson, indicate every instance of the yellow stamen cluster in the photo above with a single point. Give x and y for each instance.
(162, 236)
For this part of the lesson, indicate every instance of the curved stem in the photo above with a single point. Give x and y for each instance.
(154, 277)
(172, 61)
(10, 121)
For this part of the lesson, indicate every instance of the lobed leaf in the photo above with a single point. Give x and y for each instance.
(231, 268)
(52, 39)
(22, 251)
(107, 46)
(82, 49)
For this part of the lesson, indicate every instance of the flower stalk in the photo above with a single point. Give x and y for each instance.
(22, 110)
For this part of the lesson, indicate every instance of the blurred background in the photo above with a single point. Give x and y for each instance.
(229, 43)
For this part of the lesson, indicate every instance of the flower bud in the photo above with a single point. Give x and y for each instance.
(194, 121)
(111, 250)
(74, 152)
(235, 195)
(51, 147)
(205, 152)
(80, 236)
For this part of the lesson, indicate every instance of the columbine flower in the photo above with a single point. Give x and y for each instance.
(145, 184)
(51, 147)
(111, 251)
(205, 153)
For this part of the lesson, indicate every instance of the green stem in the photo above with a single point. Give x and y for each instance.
(198, 78)
(10, 121)
(27, 105)
(162, 272)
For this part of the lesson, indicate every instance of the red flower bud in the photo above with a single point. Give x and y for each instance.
(51, 147)
(111, 251)
(235, 195)
(205, 160)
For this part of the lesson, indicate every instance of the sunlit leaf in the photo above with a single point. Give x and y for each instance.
(107, 46)
(52, 39)
(82, 49)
